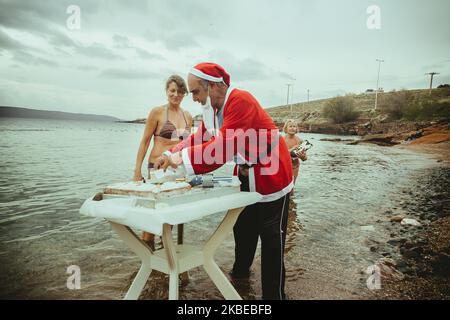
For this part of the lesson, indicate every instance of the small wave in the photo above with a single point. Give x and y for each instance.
(17, 217)
(34, 237)
(25, 130)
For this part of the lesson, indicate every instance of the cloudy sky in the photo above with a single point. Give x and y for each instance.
(117, 61)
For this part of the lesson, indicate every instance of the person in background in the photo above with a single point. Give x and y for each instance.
(167, 125)
(293, 141)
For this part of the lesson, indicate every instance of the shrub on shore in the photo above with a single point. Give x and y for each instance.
(409, 106)
(396, 103)
(341, 110)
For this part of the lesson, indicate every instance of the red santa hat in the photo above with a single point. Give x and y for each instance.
(211, 72)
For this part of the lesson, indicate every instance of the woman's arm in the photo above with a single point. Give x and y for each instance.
(297, 143)
(302, 154)
(188, 118)
(150, 127)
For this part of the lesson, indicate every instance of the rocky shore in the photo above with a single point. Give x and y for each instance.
(416, 263)
(430, 133)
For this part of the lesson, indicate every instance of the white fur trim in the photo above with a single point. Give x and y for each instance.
(187, 162)
(227, 95)
(251, 179)
(277, 195)
(205, 76)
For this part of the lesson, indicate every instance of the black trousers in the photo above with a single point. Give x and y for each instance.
(267, 221)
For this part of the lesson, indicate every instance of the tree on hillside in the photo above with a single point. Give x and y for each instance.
(341, 110)
(396, 103)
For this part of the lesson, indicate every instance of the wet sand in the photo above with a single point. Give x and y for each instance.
(438, 151)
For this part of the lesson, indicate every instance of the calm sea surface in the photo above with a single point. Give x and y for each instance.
(49, 167)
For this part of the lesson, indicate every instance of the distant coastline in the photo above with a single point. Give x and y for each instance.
(17, 112)
(137, 121)
(196, 120)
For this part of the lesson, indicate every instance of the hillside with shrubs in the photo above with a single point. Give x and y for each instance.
(403, 110)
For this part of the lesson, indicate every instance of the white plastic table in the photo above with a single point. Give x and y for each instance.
(126, 213)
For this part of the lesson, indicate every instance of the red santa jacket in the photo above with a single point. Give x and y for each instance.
(249, 133)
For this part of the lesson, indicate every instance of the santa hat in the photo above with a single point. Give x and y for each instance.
(211, 72)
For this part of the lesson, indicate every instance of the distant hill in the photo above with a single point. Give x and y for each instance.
(15, 112)
(196, 120)
(136, 121)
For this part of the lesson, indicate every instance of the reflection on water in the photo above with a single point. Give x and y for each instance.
(48, 168)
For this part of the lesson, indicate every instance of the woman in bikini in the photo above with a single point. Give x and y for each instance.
(292, 141)
(167, 125)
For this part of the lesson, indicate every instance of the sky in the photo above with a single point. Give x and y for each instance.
(114, 57)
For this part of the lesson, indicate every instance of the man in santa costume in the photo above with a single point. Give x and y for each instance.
(236, 127)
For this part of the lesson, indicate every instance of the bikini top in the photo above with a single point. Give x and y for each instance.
(168, 128)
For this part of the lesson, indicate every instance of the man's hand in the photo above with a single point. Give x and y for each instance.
(243, 171)
(163, 162)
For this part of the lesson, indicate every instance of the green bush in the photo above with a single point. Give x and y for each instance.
(341, 110)
(396, 103)
(411, 111)
(405, 105)
(431, 109)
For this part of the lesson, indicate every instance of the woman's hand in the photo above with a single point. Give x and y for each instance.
(302, 155)
(138, 176)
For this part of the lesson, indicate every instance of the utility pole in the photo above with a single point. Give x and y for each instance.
(378, 83)
(432, 74)
(287, 100)
(308, 96)
(292, 98)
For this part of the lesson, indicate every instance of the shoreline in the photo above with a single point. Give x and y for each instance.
(439, 151)
(417, 258)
